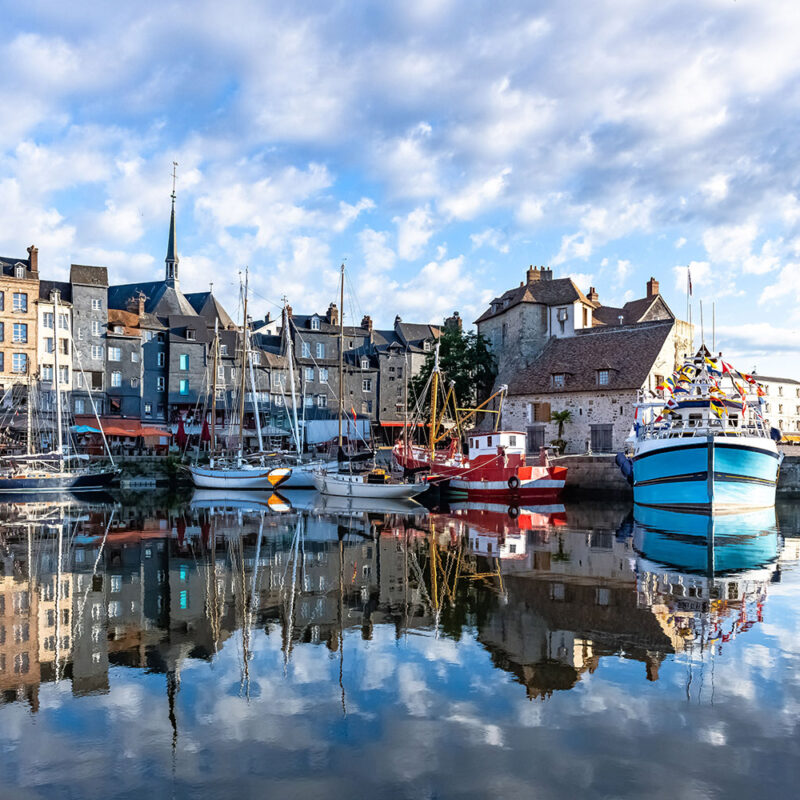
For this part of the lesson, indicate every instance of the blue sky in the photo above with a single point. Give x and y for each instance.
(440, 147)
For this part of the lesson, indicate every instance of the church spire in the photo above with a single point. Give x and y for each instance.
(172, 256)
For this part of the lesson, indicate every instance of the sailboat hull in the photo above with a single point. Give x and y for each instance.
(57, 482)
(231, 478)
(344, 485)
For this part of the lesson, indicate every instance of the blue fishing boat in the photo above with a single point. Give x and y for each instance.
(702, 443)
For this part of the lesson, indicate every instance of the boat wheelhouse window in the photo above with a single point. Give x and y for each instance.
(488, 441)
(733, 421)
(695, 420)
(512, 441)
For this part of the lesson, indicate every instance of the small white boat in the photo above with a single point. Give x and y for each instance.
(238, 476)
(368, 484)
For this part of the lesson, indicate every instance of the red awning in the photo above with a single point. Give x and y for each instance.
(123, 427)
(401, 424)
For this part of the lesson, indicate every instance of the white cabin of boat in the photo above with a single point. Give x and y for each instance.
(486, 444)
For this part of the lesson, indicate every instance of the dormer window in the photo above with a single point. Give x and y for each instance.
(563, 314)
(223, 349)
(426, 346)
(19, 270)
(364, 363)
(119, 329)
(314, 323)
(190, 334)
(559, 379)
(602, 377)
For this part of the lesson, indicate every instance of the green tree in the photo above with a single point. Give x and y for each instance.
(465, 359)
(561, 418)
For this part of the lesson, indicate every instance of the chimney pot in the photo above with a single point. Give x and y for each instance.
(33, 258)
(593, 296)
(366, 322)
(652, 287)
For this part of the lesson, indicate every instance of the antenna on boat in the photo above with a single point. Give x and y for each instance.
(714, 326)
(702, 331)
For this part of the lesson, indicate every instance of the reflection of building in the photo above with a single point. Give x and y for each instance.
(19, 647)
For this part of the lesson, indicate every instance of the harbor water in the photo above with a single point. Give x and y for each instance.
(303, 647)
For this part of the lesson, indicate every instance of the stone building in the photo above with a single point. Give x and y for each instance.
(561, 350)
(124, 364)
(19, 291)
(54, 334)
(89, 326)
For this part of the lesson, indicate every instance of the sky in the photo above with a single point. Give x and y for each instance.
(436, 147)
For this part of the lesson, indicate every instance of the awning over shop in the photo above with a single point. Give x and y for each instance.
(122, 427)
(401, 424)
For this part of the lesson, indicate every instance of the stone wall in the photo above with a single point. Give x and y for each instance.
(789, 480)
(587, 409)
(594, 474)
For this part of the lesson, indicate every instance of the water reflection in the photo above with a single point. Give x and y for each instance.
(545, 594)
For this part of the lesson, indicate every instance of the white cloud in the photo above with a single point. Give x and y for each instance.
(476, 196)
(490, 237)
(413, 232)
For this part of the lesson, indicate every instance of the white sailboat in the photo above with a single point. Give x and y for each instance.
(236, 472)
(342, 481)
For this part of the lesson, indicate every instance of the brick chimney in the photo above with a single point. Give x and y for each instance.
(547, 274)
(593, 296)
(366, 322)
(333, 314)
(532, 274)
(652, 287)
(33, 258)
(289, 312)
(397, 320)
(454, 323)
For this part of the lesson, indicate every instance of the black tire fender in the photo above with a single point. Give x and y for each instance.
(513, 482)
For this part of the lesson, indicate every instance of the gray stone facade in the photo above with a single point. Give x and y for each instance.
(89, 329)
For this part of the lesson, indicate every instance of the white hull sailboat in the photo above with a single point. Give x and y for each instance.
(343, 484)
(243, 476)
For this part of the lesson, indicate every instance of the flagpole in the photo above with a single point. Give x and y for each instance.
(714, 326)
(702, 330)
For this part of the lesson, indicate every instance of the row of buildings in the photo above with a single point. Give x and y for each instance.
(146, 352)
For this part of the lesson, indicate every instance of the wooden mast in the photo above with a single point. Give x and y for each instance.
(341, 355)
(243, 384)
(214, 389)
(56, 381)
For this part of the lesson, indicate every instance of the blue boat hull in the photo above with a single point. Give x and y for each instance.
(713, 474)
(47, 484)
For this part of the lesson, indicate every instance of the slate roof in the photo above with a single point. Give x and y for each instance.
(45, 287)
(179, 324)
(762, 378)
(7, 266)
(208, 307)
(88, 276)
(631, 313)
(556, 292)
(627, 352)
(414, 334)
(161, 298)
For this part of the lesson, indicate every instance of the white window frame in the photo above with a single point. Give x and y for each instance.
(116, 379)
(115, 354)
(366, 385)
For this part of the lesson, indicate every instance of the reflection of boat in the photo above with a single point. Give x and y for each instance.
(498, 516)
(333, 504)
(698, 543)
(704, 448)
(241, 500)
(704, 577)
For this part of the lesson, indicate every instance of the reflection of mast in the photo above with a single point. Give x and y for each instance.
(248, 621)
(341, 617)
(290, 613)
